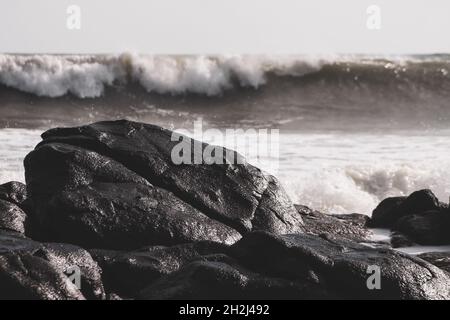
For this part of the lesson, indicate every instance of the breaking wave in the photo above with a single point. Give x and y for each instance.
(359, 188)
(86, 76)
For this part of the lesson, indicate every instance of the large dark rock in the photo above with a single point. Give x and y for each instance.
(439, 259)
(341, 267)
(400, 240)
(87, 199)
(390, 210)
(33, 270)
(126, 273)
(220, 277)
(114, 185)
(387, 212)
(12, 217)
(302, 266)
(420, 218)
(351, 227)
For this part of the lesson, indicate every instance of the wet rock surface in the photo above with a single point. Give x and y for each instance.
(351, 226)
(108, 199)
(127, 272)
(114, 185)
(302, 266)
(14, 192)
(34, 270)
(13, 197)
(12, 217)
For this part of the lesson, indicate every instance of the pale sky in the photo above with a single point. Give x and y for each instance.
(225, 26)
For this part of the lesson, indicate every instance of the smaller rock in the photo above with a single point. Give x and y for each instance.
(399, 240)
(390, 210)
(420, 201)
(387, 212)
(12, 217)
(222, 278)
(426, 228)
(14, 192)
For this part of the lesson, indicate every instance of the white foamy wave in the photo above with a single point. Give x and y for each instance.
(86, 76)
(361, 188)
(55, 76)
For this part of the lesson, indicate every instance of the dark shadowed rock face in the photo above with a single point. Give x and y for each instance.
(114, 185)
(387, 212)
(220, 277)
(400, 240)
(267, 266)
(33, 270)
(426, 228)
(439, 259)
(128, 272)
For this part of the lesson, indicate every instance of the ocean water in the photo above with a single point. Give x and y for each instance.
(353, 130)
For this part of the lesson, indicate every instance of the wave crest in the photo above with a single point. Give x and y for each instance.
(86, 76)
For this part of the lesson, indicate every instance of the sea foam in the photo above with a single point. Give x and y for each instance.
(86, 76)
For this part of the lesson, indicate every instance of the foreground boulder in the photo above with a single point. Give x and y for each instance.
(27, 277)
(114, 185)
(33, 270)
(219, 277)
(126, 273)
(421, 218)
(267, 266)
